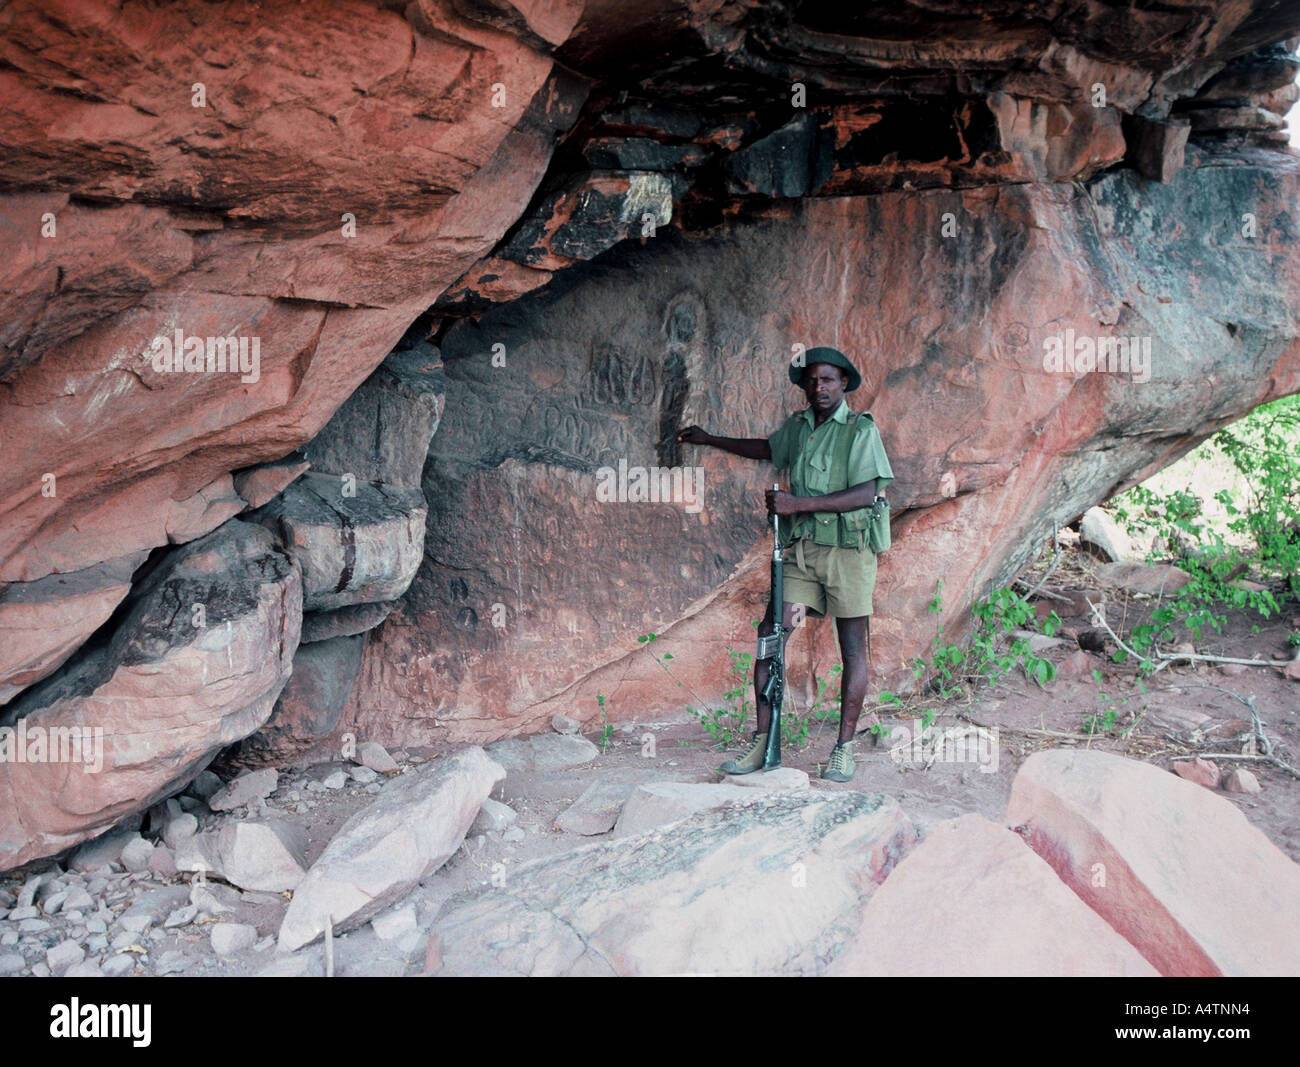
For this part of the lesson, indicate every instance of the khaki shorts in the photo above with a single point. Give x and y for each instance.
(832, 581)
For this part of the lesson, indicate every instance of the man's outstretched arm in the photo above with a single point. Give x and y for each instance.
(749, 447)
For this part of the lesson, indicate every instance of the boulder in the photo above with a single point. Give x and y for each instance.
(773, 883)
(1156, 149)
(261, 484)
(344, 622)
(1157, 858)
(1240, 780)
(400, 196)
(1151, 579)
(588, 215)
(1098, 530)
(254, 785)
(231, 938)
(493, 815)
(102, 850)
(152, 906)
(543, 752)
(268, 855)
(154, 703)
(972, 900)
(1201, 771)
(355, 541)
(780, 778)
(200, 853)
(386, 849)
(373, 755)
(795, 160)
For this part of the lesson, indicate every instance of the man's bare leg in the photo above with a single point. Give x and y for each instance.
(853, 690)
(853, 684)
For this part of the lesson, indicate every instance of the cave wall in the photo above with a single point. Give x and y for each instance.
(537, 239)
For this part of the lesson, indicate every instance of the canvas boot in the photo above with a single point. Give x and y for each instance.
(840, 767)
(751, 761)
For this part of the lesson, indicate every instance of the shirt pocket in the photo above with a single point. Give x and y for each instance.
(818, 470)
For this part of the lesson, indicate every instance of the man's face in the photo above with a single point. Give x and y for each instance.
(823, 384)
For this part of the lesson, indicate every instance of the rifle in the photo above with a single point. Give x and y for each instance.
(771, 647)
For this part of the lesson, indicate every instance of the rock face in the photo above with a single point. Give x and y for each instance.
(525, 449)
(772, 884)
(382, 431)
(383, 851)
(972, 901)
(310, 704)
(135, 719)
(43, 622)
(286, 252)
(334, 168)
(1173, 867)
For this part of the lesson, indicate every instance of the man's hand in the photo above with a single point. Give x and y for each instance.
(693, 435)
(780, 502)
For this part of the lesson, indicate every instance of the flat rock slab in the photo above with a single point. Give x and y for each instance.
(255, 785)
(596, 810)
(660, 803)
(543, 753)
(1173, 867)
(382, 852)
(773, 883)
(1153, 579)
(973, 900)
(779, 778)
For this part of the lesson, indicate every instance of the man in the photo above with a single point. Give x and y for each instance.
(837, 464)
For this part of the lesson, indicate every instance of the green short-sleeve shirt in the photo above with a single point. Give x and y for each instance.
(807, 452)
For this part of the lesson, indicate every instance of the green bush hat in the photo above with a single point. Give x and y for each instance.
(827, 355)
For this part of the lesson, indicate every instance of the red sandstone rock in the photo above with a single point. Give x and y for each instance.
(169, 215)
(972, 900)
(1157, 858)
(518, 451)
(43, 622)
(1157, 147)
(1153, 579)
(309, 706)
(1201, 771)
(259, 485)
(1240, 780)
(158, 701)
